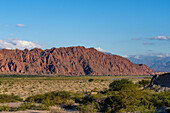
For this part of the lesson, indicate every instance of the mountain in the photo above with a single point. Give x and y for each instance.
(67, 61)
(159, 64)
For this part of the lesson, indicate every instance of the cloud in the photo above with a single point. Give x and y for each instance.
(100, 49)
(158, 54)
(11, 34)
(163, 55)
(135, 38)
(160, 38)
(18, 44)
(20, 25)
(146, 43)
(126, 56)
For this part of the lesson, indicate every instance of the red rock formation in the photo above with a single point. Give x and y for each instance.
(67, 61)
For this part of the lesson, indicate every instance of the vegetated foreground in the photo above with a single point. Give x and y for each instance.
(67, 61)
(27, 86)
(83, 94)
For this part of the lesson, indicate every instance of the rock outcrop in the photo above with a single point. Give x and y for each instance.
(160, 82)
(67, 61)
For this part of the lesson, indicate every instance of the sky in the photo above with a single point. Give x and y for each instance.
(122, 27)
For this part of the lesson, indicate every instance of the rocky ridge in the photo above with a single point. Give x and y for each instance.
(160, 82)
(67, 61)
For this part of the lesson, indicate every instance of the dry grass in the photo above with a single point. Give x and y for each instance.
(27, 86)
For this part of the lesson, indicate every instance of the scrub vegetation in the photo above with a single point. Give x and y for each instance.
(84, 94)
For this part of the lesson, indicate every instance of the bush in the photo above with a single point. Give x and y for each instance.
(161, 99)
(27, 105)
(78, 97)
(55, 98)
(4, 98)
(69, 103)
(4, 108)
(117, 85)
(144, 83)
(91, 98)
(128, 99)
(89, 108)
(91, 80)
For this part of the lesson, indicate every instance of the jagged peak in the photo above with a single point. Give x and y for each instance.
(36, 49)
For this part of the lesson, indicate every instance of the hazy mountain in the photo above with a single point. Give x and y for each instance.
(157, 63)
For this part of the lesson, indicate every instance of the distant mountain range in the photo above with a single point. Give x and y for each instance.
(159, 64)
(67, 61)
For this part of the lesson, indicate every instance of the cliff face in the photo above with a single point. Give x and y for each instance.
(67, 61)
(162, 80)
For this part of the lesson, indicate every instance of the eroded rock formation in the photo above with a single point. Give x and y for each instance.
(67, 61)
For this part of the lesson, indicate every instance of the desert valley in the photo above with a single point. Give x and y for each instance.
(84, 56)
(78, 79)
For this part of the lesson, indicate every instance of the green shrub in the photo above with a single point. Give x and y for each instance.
(4, 98)
(27, 105)
(117, 85)
(54, 98)
(89, 108)
(69, 103)
(161, 99)
(4, 108)
(78, 97)
(93, 98)
(5, 90)
(95, 90)
(42, 107)
(128, 99)
(144, 83)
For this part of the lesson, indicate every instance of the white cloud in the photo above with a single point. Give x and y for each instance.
(160, 38)
(126, 56)
(100, 49)
(163, 55)
(19, 44)
(20, 25)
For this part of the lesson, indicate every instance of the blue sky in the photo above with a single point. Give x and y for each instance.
(123, 27)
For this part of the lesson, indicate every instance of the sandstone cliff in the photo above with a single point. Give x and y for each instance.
(67, 61)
